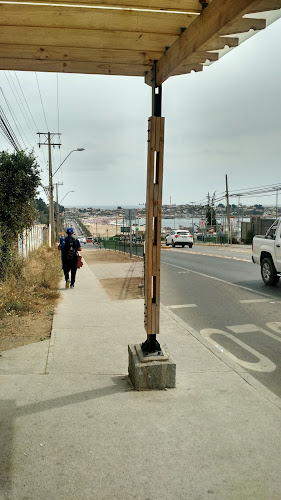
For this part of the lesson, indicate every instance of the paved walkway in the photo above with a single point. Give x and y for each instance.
(72, 428)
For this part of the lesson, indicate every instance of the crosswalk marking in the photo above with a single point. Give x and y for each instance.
(179, 306)
(252, 301)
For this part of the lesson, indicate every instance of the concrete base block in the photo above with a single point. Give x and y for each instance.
(151, 373)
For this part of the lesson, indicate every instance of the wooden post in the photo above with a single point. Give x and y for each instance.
(153, 229)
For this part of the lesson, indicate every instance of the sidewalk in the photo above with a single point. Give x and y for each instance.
(72, 428)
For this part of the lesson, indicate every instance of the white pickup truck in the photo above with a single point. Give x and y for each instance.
(267, 253)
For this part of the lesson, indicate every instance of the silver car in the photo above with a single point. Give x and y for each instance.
(179, 237)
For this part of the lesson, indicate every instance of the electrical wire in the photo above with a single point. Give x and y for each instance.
(8, 131)
(19, 104)
(41, 101)
(12, 115)
(31, 115)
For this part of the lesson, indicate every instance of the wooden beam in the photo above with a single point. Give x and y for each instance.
(175, 6)
(154, 185)
(72, 67)
(220, 42)
(53, 37)
(34, 52)
(217, 19)
(94, 19)
(184, 70)
(265, 5)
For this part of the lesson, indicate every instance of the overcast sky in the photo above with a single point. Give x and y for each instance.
(224, 120)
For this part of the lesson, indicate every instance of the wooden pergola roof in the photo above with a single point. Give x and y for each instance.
(123, 37)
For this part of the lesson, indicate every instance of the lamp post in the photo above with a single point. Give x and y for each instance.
(66, 196)
(51, 190)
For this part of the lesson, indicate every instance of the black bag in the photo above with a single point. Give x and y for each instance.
(70, 251)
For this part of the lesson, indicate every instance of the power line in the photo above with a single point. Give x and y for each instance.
(8, 131)
(41, 100)
(36, 127)
(18, 99)
(12, 115)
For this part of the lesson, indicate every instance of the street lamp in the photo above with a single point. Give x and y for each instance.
(51, 189)
(66, 195)
(78, 149)
(58, 214)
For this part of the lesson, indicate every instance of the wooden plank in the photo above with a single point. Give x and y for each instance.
(243, 25)
(220, 42)
(175, 6)
(85, 38)
(265, 6)
(159, 183)
(94, 19)
(72, 67)
(185, 69)
(149, 218)
(216, 19)
(126, 57)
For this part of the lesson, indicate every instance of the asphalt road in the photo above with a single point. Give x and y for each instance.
(219, 293)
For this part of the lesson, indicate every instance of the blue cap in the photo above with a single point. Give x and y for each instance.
(70, 230)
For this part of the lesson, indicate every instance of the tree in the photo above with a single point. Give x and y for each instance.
(210, 210)
(43, 211)
(19, 180)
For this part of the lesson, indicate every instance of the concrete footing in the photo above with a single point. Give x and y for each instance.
(151, 372)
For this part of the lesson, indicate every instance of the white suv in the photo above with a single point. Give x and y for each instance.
(179, 237)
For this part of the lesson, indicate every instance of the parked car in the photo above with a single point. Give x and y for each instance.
(267, 253)
(82, 239)
(89, 239)
(179, 237)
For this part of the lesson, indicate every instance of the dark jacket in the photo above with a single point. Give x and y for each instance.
(70, 250)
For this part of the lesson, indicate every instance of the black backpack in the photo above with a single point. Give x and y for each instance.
(70, 251)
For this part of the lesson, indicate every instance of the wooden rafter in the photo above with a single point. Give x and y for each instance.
(194, 6)
(91, 36)
(221, 17)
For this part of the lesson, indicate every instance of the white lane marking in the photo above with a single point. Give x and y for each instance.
(264, 364)
(250, 328)
(253, 301)
(220, 280)
(215, 255)
(275, 326)
(182, 305)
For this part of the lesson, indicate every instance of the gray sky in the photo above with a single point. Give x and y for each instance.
(224, 120)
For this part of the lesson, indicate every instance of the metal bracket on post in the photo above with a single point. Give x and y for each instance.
(153, 223)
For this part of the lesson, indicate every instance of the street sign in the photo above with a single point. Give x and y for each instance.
(125, 229)
(130, 213)
(202, 223)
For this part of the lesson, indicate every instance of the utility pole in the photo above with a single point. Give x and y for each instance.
(57, 207)
(48, 142)
(227, 208)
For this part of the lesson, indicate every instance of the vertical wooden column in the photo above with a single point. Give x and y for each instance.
(153, 224)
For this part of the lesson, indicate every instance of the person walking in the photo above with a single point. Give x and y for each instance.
(222, 235)
(60, 247)
(69, 257)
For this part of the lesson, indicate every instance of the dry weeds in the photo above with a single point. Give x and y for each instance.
(27, 301)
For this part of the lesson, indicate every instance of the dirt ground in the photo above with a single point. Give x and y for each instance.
(117, 288)
(34, 326)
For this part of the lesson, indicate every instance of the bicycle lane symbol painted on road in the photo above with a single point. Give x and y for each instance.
(264, 364)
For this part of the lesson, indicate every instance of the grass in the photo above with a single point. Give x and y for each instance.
(34, 283)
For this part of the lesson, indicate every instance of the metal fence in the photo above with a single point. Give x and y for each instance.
(123, 246)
